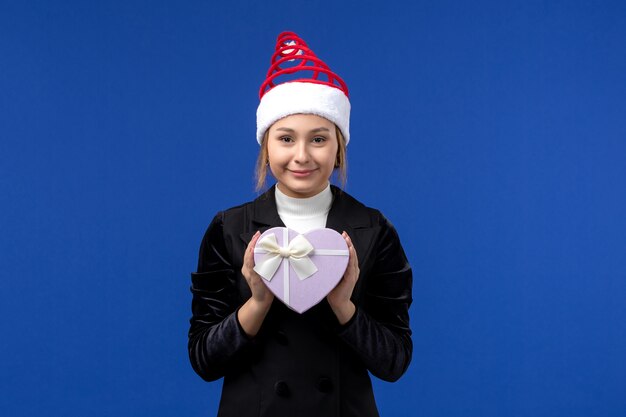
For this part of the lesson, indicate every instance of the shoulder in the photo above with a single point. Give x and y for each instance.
(368, 223)
(359, 212)
(225, 218)
(237, 216)
(374, 236)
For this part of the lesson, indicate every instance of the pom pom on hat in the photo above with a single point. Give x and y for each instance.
(320, 91)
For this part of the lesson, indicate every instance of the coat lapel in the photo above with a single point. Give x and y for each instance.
(348, 214)
(264, 215)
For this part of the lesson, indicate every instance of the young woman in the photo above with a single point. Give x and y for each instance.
(276, 362)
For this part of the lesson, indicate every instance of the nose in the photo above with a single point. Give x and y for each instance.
(302, 153)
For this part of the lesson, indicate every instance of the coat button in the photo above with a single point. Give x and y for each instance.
(281, 338)
(281, 389)
(325, 385)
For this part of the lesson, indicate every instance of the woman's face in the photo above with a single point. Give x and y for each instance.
(302, 149)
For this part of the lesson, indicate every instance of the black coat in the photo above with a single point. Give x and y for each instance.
(301, 364)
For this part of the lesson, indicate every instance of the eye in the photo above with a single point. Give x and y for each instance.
(285, 139)
(318, 139)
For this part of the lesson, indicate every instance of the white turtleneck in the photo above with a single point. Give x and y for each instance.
(304, 214)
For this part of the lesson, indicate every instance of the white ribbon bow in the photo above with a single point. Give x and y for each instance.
(296, 254)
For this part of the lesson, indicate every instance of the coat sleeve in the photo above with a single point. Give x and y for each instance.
(379, 331)
(215, 335)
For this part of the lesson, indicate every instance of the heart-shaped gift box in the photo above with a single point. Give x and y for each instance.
(300, 269)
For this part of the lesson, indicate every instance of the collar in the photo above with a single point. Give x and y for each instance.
(344, 212)
(303, 208)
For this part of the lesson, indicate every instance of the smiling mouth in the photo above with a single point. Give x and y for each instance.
(302, 173)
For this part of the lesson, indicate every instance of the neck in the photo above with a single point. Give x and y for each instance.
(304, 214)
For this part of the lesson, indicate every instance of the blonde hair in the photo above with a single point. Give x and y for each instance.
(262, 162)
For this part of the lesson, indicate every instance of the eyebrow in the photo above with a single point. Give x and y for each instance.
(319, 129)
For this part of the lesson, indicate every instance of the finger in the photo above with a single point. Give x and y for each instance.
(346, 238)
(252, 243)
(353, 256)
(255, 237)
(248, 257)
(355, 263)
(350, 266)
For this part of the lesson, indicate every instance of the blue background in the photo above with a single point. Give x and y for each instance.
(491, 133)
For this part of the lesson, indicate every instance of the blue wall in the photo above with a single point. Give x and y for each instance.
(493, 135)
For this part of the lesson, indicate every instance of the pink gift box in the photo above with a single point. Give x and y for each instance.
(301, 270)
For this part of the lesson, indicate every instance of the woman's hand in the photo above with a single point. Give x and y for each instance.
(253, 312)
(339, 297)
(260, 293)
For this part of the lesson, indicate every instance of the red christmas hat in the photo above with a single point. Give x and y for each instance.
(315, 90)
